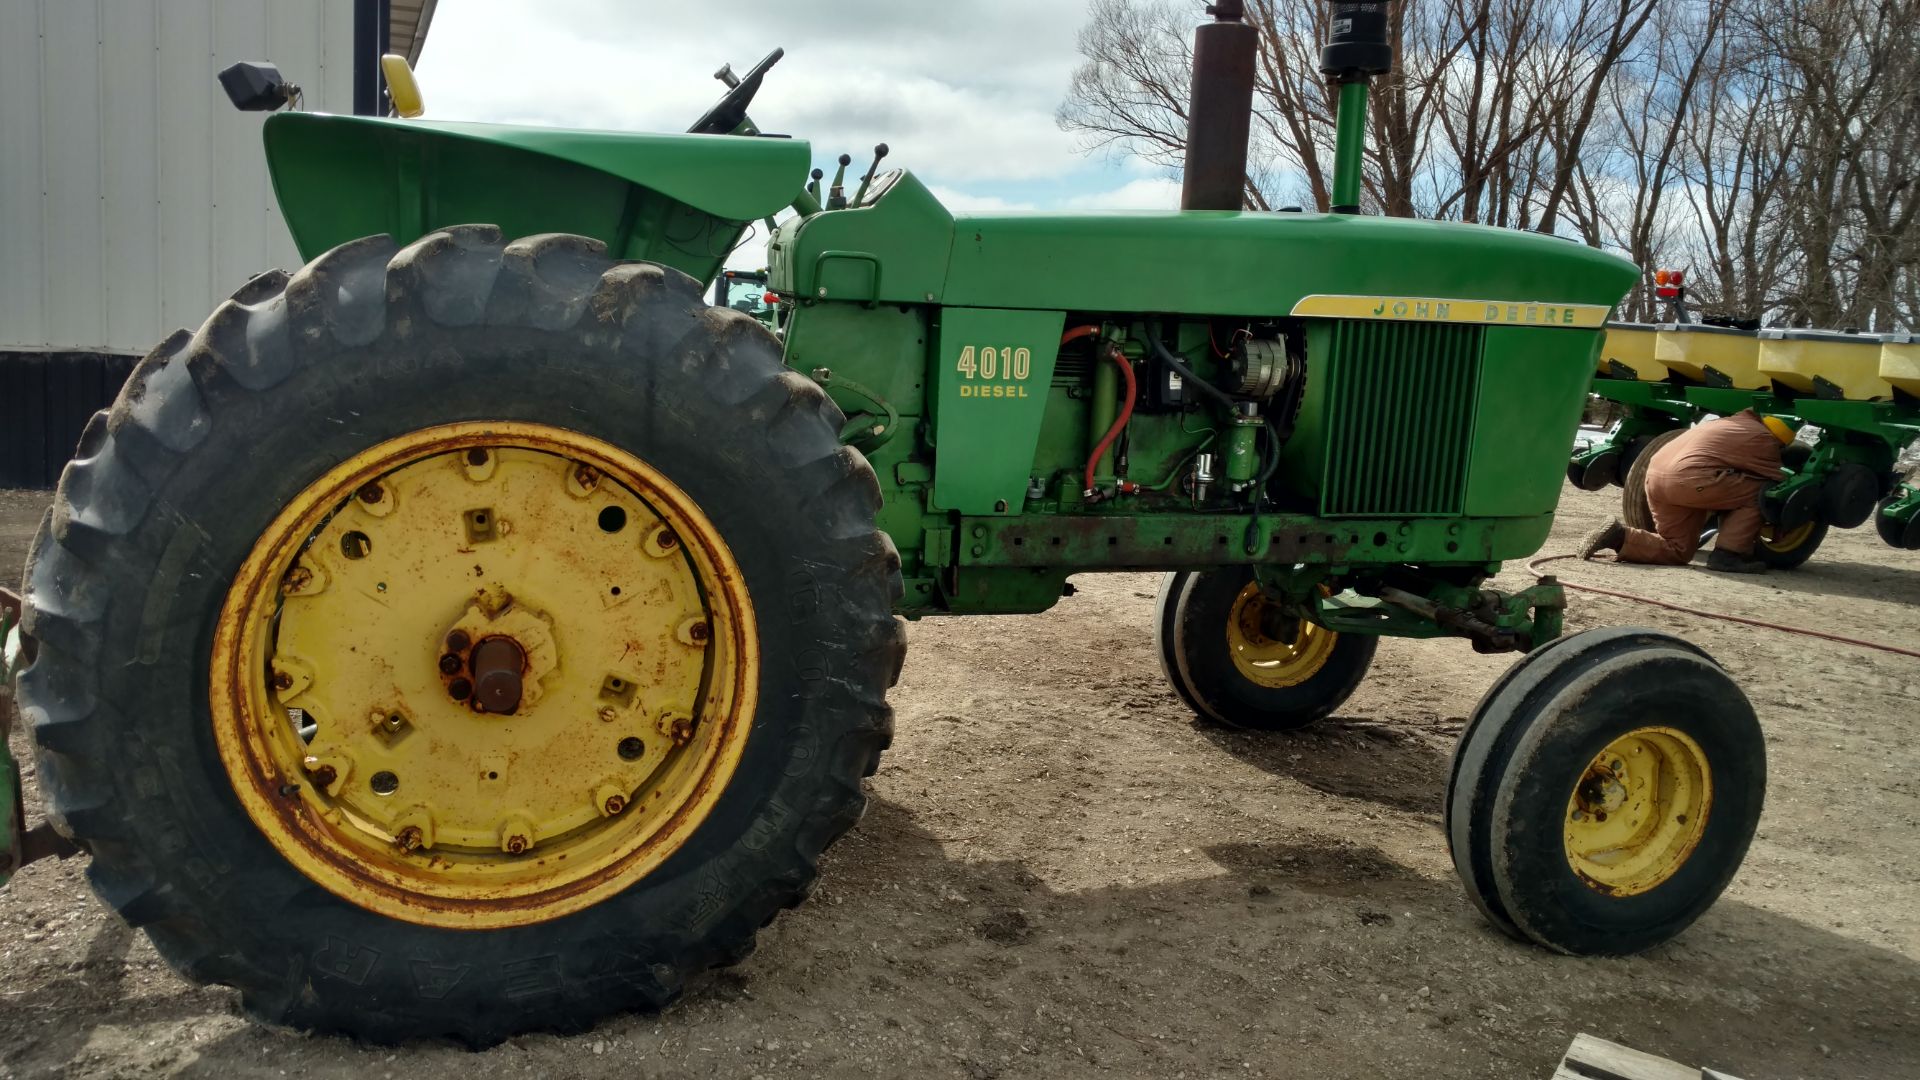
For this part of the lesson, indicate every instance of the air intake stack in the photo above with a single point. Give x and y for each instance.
(1357, 49)
(1220, 111)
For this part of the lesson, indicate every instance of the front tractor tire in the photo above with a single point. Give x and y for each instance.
(460, 639)
(1232, 662)
(1605, 791)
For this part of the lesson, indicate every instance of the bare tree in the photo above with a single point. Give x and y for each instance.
(1803, 170)
(1458, 126)
(1772, 146)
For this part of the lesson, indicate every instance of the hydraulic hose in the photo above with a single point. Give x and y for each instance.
(1534, 569)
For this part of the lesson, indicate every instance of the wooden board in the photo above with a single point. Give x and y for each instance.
(1591, 1058)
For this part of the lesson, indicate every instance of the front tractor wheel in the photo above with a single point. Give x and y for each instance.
(1234, 659)
(461, 639)
(1605, 792)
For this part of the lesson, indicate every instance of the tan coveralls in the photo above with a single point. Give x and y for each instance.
(1721, 467)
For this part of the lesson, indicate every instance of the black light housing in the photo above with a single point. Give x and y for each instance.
(1357, 46)
(256, 86)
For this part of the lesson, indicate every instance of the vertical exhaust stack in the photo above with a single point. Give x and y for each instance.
(1220, 110)
(1357, 49)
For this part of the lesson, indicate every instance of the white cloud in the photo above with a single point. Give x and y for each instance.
(1146, 194)
(961, 201)
(964, 94)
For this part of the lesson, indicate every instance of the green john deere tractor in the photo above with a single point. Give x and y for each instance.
(746, 290)
(476, 631)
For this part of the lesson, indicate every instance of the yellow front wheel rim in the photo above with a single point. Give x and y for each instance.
(1638, 811)
(1272, 658)
(484, 675)
(1784, 542)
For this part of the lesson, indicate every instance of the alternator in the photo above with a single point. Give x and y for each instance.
(1262, 367)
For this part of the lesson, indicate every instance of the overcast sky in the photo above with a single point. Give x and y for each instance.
(963, 91)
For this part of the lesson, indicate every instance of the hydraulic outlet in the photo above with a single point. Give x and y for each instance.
(1203, 475)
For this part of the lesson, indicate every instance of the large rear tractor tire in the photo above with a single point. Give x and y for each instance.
(1233, 663)
(1605, 792)
(461, 639)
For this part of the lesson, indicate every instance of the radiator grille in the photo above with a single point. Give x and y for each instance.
(1400, 418)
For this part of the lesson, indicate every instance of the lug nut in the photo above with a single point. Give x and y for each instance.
(458, 641)
(282, 681)
(372, 492)
(298, 578)
(678, 727)
(608, 713)
(450, 664)
(515, 844)
(698, 632)
(409, 838)
(586, 476)
(666, 539)
(615, 804)
(323, 775)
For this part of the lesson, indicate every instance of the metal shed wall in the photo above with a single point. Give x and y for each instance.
(133, 197)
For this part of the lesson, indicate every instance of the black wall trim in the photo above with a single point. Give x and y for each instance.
(45, 402)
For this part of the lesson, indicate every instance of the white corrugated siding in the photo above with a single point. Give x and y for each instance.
(133, 197)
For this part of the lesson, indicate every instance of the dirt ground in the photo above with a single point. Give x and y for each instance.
(1062, 874)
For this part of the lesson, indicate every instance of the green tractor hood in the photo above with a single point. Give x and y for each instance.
(682, 200)
(904, 247)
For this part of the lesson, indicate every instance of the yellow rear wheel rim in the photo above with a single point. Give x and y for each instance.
(1638, 811)
(1784, 542)
(1271, 660)
(350, 694)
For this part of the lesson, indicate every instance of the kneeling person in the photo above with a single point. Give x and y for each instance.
(1722, 467)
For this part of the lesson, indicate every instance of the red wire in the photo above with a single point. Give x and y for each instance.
(1534, 569)
(1120, 422)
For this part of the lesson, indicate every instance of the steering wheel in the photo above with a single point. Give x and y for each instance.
(732, 109)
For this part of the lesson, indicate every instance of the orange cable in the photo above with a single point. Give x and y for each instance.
(1533, 568)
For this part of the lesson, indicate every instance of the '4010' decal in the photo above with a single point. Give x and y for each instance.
(986, 371)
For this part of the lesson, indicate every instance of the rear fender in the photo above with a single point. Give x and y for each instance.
(681, 200)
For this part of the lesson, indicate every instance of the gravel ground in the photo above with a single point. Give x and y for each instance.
(1062, 874)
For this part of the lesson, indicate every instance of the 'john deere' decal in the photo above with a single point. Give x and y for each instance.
(1434, 309)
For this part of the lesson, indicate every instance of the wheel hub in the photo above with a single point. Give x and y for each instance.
(1638, 811)
(498, 664)
(1271, 648)
(518, 671)
(498, 657)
